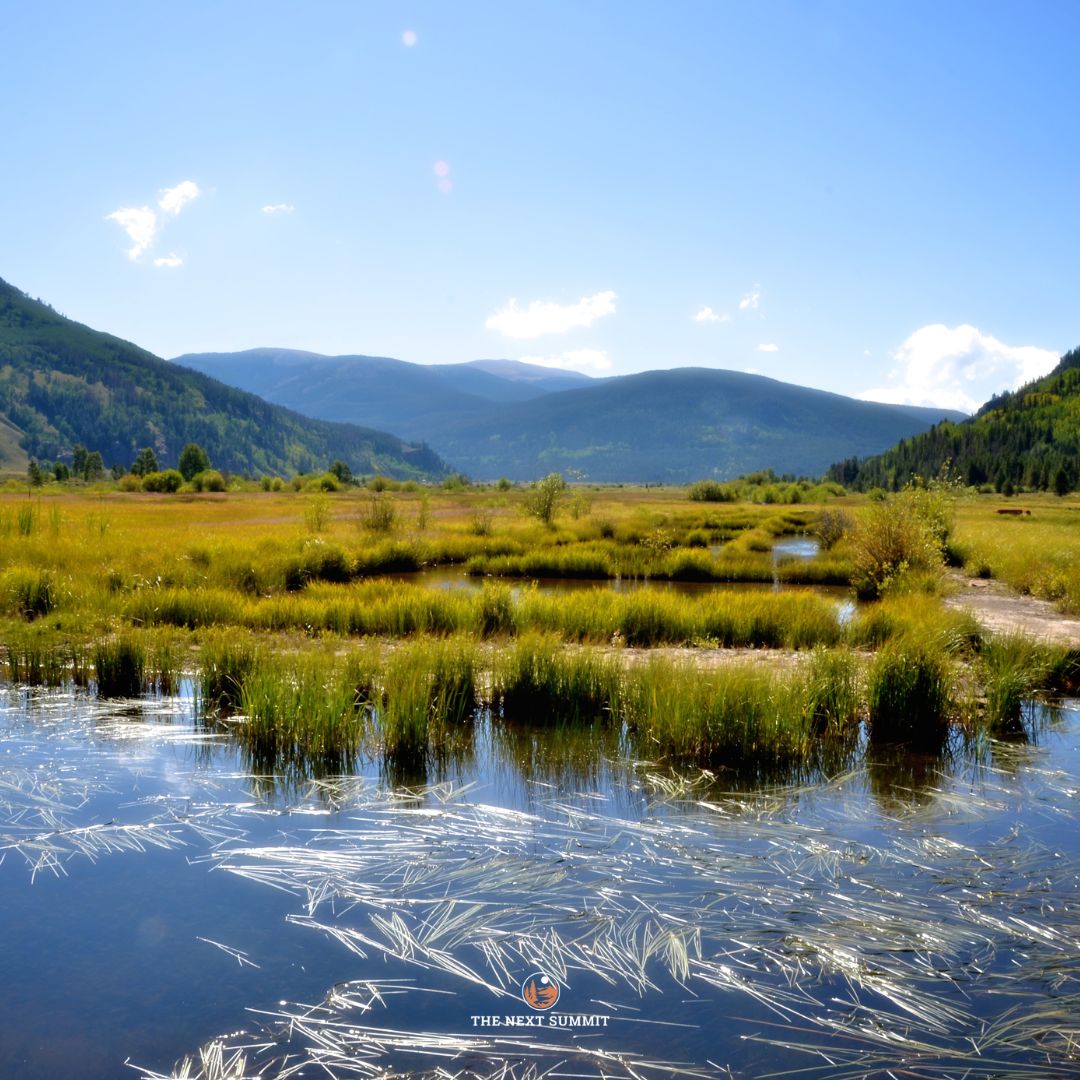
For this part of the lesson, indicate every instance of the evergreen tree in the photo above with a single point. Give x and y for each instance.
(193, 460)
(145, 462)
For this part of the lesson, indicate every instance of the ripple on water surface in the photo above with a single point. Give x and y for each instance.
(159, 895)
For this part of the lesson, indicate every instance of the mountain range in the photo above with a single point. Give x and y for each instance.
(62, 383)
(494, 418)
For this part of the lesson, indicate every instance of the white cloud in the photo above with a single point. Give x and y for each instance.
(140, 223)
(768, 347)
(278, 208)
(751, 300)
(542, 317)
(171, 260)
(575, 360)
(706, 314)
(958, 368)
(174, 199)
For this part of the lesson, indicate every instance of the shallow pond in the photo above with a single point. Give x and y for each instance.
(920, 915)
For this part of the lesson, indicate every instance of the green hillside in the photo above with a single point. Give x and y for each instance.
(1026, 439)
(62, 383)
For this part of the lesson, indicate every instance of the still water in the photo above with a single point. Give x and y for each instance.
(919, 915)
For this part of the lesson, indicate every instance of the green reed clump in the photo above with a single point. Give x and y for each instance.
(317, 561)
(35, 661)
(164, 662)
(735, 715)
(26, 519)
(429, 698)
(1013, 669)
(313, 707)
(495, 610)
(389, 557)
(120, 666)
(831, 690)
(648, 617)
(910, 693)
(537, 681)
(584, 561)
(223, 667)
(191, 608)
(30, 592)
(795, 620)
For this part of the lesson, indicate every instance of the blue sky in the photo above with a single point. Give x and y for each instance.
(877, 199)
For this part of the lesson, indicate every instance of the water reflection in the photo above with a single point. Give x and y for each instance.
(894, 910)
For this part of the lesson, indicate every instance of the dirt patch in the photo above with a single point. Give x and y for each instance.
(999, 608)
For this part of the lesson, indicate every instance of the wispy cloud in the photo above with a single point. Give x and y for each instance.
(169, 261)
(768, 347)
(174, 199)
(958, 368)
(140, 224)
(543, 317)
(751, 300)
(574, 360)
(278, 208)
(706, 314)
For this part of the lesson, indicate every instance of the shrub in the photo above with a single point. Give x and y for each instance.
(317, 513)
(208, 480)
(711, 491)
(832, 527)
(167, 481)
(129, 482)
(325, 482)
(890, 538)
(380, 515)
(543, 498)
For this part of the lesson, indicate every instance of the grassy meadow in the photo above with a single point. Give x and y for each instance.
(305, 621)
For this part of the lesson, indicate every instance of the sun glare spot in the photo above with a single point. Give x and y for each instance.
(441, 168)
(409, 38)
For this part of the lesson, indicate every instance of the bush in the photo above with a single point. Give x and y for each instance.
(169, 481)
(380, 516)
(891, 537)
(711, 491)
(543, 498)
(209, 480)
(327, 481)
(832, 527)
(129, 482)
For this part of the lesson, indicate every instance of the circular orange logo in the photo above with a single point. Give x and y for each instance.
(540, 991)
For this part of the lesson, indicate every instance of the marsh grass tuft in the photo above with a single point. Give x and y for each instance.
(731, 716)
(31, 592)
(910, 686)
(120, 666)
(536, 681)
(224, 665)
(429, 699)
(312, 708)
(831, 690)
